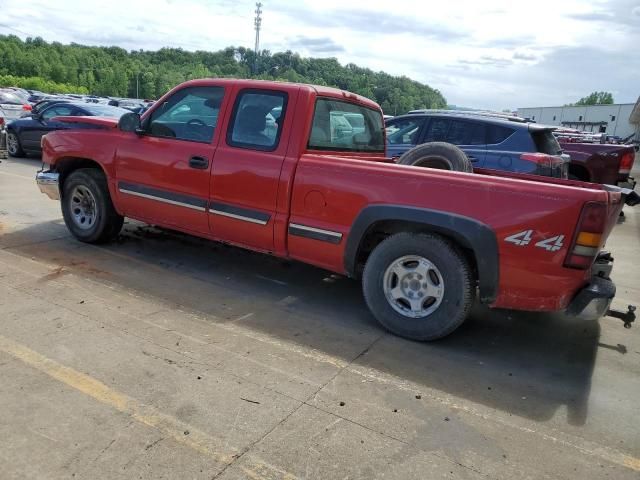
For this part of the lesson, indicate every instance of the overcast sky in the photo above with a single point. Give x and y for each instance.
(483, 54)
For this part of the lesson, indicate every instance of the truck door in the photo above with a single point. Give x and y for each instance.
(246, 167)
(163, 174)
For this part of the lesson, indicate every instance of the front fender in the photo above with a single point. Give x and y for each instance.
(467, 232)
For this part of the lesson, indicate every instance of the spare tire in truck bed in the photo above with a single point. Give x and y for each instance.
(441, 155)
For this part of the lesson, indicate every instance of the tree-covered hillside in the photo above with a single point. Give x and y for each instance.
(39, 65)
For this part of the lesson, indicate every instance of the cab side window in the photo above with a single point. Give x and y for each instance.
(189, 114)
(257, 120)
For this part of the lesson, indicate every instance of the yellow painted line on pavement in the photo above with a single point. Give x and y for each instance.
(181, 432)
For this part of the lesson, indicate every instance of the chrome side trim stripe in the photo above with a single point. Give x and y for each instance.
(238, 217)
(160, 199)
(239, 213)
(314, 233)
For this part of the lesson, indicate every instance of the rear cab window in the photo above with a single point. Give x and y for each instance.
(344, 126)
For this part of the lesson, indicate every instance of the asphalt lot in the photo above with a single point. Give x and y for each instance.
(166, 356)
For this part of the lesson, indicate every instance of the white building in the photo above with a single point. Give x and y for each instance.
(620, 119)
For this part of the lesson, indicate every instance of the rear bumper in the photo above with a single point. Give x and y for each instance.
(49, 183)
(593, 301)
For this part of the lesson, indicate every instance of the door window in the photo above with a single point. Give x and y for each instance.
(404, 132)
(189, 114)
(437, 131)
(466, 133)
(257, 120)
(57, 111)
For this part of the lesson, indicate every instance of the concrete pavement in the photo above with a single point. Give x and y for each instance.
(166, 356)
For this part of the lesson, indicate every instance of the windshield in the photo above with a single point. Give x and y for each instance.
(105, 111)
(343, 126)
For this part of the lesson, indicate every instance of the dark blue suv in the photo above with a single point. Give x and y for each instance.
(490, 141)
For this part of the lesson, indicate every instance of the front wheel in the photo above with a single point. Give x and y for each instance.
(13, 145)
(418, 286)
(87, 208)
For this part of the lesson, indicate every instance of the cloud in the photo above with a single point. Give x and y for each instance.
(490, 54)
(523, 56)
(511, 42)
(487, 60)
(374, 22)
(315, 45)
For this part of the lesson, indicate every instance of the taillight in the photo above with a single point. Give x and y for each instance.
(626, 163)
(588, 238)
(547, 165)
(26, 108)
(1, 121)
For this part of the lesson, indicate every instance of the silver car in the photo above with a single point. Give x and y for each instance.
(11, 106)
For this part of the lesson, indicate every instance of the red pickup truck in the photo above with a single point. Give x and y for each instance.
(260, 165)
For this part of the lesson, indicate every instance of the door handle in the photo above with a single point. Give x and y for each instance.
(199, 163)
(472, 158)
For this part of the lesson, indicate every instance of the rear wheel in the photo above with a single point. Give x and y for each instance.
(87, 208)
(13, 145)
(418, 286)
(440, 155)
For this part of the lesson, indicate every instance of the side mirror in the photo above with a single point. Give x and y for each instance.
(129, 122)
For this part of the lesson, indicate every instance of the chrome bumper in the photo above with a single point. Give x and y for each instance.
(593, 301)
(48, 184)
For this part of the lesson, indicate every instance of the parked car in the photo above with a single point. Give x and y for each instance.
(423, 240)
(489, 141)
(12, 105)
(24, 134)
(601, 163)
(41, 105)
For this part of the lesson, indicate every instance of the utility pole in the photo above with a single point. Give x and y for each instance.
(257, 24)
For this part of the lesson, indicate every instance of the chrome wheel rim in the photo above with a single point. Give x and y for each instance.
(84, 210)
(12, 143)
(413, 286)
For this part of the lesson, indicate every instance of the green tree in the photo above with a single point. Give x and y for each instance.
(114, 71)
(596, 98)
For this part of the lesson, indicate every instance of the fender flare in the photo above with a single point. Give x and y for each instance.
(468, 232)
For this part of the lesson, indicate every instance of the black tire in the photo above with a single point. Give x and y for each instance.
(107, 223)
(453, 269)
(440, 155)
(13, 145)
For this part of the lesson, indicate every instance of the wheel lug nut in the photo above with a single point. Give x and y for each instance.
(424, 285)
(420, 294)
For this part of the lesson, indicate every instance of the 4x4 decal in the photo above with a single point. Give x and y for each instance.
(522, 239)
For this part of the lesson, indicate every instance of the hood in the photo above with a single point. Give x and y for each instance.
(104, 122)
